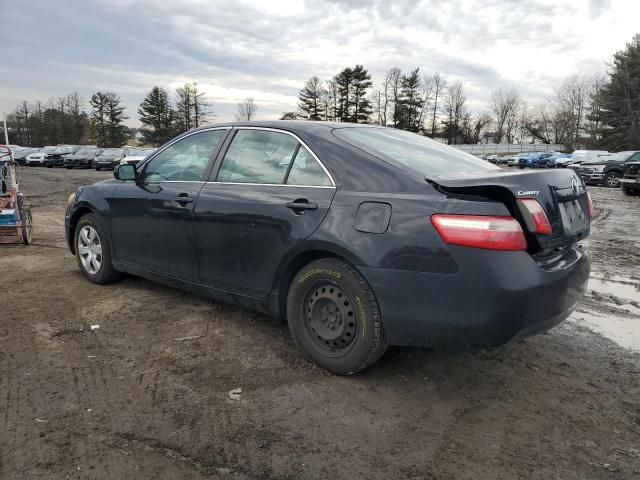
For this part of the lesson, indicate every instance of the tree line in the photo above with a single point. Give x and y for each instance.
(584, 111)
(62, 120)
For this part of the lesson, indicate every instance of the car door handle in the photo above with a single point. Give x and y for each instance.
(301, 205)
(183, 199)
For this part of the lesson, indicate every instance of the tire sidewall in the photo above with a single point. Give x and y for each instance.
(606, 179)
(366, 312)
(106, 270)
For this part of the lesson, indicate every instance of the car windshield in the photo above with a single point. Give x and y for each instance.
(594, 158)
(140, 152)
(413, 151)
(85, 151)
(63, 149)
(112, 152)
(618, 156)
(49, 149)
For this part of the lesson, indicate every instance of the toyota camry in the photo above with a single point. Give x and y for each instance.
(358, 236)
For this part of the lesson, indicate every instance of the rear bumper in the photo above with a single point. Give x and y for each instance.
(494, 298)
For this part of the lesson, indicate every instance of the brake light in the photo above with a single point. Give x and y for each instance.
(492, 233)
(590, 205)
(535, 217)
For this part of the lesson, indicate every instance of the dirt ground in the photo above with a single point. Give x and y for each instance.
(136, 400)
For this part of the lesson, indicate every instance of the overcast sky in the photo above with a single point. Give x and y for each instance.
(267, 49)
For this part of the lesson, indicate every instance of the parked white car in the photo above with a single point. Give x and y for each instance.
(136, 155)
(37, 158)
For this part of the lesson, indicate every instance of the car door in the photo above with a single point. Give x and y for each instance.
(270, 193)
(152, 217)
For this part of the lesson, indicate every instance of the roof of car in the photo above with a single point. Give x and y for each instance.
(292, 125)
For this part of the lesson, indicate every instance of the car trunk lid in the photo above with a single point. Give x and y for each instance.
(561, 194)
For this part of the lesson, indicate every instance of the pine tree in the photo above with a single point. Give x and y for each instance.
(311, 97)
(407, 111)
(106, 120)
(352, 85)
(620, 100)
(361, 105)
(156, 116)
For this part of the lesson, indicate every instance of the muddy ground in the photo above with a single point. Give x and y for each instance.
(136, 400)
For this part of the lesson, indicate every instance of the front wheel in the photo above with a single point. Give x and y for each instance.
(334, 317)
(92, 250)
(612, 180)
(630, 192)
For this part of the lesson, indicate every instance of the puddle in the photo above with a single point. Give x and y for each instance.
(622, 287)
(624, 331)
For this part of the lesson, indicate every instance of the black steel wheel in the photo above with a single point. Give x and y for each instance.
(334, 317)
(331, 319)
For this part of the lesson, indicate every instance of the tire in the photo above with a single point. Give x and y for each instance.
(611, 180)
(27, 221)
(98, 169)
(629, 192)
(68, 168)
(334, 317)
(49, 166)
(100, 271)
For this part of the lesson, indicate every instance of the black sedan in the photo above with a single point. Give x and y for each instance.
(83, 158)
(56, 158)
(109, 158)
(359, 236)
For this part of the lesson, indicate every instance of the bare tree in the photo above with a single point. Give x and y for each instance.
(246, 110)
(454, 106)
(392, 93)
(390, 86)
(573, 98)
(439, 85)
(505, 105)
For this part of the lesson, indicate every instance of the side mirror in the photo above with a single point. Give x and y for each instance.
(124, 172)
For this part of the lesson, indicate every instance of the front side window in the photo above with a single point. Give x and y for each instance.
(258, 156)
(307, 171)
(413, 151)
(184, 160)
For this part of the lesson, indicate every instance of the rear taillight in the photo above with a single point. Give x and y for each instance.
(590, 205)
(534, 216)
(493, 233)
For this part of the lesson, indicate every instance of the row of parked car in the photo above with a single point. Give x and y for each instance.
(596, 167)
(79, 156)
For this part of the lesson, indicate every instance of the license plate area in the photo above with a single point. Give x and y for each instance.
(574, 218)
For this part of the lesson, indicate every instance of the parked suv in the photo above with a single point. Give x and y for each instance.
(82, 158)
(630, 181)
(607, 171)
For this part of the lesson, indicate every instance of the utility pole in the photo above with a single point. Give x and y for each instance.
(6, 133)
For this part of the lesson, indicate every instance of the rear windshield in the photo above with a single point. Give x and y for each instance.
(414, 151)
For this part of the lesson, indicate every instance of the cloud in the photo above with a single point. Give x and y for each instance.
(266, 50)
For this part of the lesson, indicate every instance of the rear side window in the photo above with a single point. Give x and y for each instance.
(258, 156)
(414, 151)
(306, 170)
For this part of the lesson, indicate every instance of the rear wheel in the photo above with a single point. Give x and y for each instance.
(612, 180)
(98, 169)
(27, 222)
(334, 317)
(92, 251)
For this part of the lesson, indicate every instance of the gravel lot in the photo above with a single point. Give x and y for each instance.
(137, 400)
